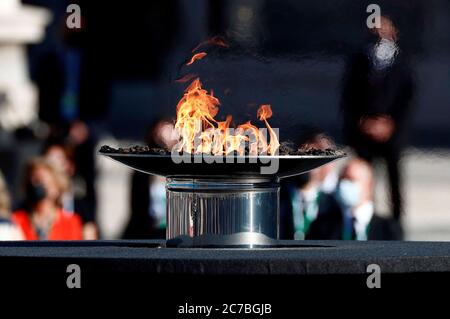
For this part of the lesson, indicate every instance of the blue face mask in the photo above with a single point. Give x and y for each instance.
(348, 193)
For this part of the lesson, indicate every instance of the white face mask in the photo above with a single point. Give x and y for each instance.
(310, 195)
(384, 53)
(348, 193)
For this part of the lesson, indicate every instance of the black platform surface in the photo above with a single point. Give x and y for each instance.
(290, 258)
(295, 277)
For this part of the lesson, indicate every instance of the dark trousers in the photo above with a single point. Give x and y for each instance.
(390, 153)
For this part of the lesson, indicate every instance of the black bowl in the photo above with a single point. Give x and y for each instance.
(208, 166)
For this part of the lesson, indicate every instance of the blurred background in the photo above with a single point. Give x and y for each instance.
(64, 91)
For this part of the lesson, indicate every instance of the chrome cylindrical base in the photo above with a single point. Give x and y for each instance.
(231, 212)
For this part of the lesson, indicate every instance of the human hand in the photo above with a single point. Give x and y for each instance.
(379, 128)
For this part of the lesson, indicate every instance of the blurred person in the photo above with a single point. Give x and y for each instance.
(301, 195)
(8, 230)
(326, 175)
(82, 143)
(349, 213)
(299, 205)
(42, 216)
(75, 197)
(376, 102)
(148, 193)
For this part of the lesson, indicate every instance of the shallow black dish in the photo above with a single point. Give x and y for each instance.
(165, 165)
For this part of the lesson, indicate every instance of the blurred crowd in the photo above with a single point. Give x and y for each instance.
(57, 200)
(377, 95)
(331, 202)
(334, 203)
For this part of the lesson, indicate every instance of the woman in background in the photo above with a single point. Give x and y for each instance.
(43, 217)
(76, 198)
(8, 231)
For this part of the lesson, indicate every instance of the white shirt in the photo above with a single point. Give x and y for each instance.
(10, 232)
(158, 201)
(363, 215)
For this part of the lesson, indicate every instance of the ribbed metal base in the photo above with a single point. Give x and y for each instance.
(228, 212)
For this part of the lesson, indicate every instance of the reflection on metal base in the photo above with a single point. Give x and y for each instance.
(237, 240)
(216, 208)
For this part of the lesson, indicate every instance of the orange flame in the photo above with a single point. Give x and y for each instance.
(195, 111)
(217, 41)
(186, 78)
(200, 133)
(264, 113)
(258, 139)
(196, 57)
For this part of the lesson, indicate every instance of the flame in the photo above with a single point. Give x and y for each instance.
(259, 141)
(201, 133)
(195, 111)
(264, 113)
(197, 56)
(186, 78)
(217, 41)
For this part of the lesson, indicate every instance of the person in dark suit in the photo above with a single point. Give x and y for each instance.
(148, 196)
(148, 212)
(376, 103)
(348, 213)
(300, 196)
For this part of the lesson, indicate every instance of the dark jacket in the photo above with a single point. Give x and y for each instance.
(141, 224)
(368, 92)
(330, 223)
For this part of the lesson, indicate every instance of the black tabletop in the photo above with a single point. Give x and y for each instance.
(291, 257)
